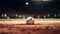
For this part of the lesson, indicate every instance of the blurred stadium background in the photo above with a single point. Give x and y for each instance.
(25, 8)
(19, 10)
(13, 14)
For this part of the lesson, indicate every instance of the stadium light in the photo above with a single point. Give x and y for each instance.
(16, 15)
(38, 16)
(2, 15)
(41, 0)
(20, 16)
(46, 0)
(27, 3)
(5, 15)
(37, 0)
(54, 15)
(44, 16)
(48, 15)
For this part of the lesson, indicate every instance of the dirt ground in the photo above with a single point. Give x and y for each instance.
(40, 27)
(29, 29)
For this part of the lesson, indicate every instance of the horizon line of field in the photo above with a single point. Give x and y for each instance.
(23, 21)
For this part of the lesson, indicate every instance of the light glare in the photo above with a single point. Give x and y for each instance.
(47, 0)
(27, 3)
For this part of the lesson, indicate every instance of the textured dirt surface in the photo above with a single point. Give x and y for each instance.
(29, 29)
(42, 26)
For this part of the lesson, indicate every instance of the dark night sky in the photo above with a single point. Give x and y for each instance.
(19, 5)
